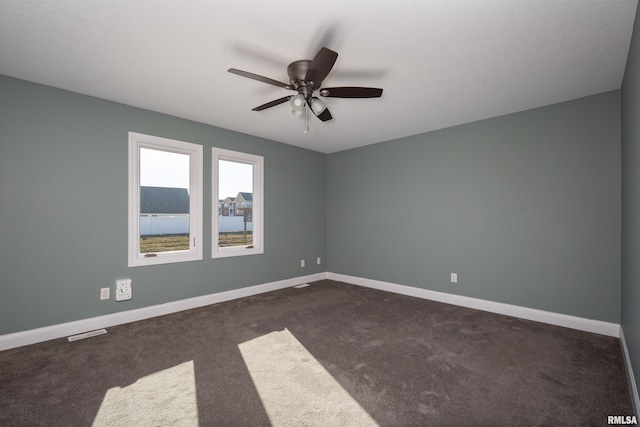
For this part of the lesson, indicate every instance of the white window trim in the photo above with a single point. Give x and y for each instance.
(258, 206)
(195, 153)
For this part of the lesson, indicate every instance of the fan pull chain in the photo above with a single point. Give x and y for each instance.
(306, 119)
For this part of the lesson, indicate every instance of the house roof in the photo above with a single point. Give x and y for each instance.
(246, 196)
(440, 63)
(164, 200)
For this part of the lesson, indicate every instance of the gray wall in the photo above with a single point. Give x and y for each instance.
(525, 208)
(631, 202)
(63, 209)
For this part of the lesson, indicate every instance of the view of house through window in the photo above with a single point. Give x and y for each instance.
(238, 197)
(164, 201)
(235, 204)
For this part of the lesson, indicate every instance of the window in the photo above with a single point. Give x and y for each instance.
(165, 200)
(237, 182)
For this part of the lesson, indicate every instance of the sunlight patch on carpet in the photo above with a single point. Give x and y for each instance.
(164, 398)
(294, 387)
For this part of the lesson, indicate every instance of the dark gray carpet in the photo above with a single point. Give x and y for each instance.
(400, 361)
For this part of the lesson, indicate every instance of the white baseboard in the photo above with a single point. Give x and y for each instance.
(19, 339)
(573, 322)
(635, 399)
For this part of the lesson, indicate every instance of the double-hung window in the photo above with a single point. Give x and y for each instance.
(165, 200)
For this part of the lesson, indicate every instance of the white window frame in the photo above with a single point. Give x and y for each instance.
(258, 203)
(195, 153)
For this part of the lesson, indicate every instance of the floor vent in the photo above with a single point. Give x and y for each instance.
(87, 335)
(303, 285)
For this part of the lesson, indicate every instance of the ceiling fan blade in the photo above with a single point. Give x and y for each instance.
(271, 104)
(320, 66)
(324, 115)
(351, 92)
(258, 78)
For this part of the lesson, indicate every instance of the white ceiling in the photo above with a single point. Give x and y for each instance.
(440, 62)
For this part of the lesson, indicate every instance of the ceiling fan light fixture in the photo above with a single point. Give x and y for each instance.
(297, 102)
(298, 112)
(317, 106)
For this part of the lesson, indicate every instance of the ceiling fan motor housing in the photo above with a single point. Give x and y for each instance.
(297, 72)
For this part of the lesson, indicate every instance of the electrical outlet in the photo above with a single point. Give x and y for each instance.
(123, 289)
(301, 263)
(454, 277)
(104, 293)
(318, 261)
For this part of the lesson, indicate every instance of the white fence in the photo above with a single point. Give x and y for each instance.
(233, 223)
(164, 224)
(179, 224)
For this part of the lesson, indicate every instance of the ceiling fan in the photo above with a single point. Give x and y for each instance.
(305, 77)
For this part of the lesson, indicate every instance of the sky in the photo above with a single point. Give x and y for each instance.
(165, 169)
(234, 177)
